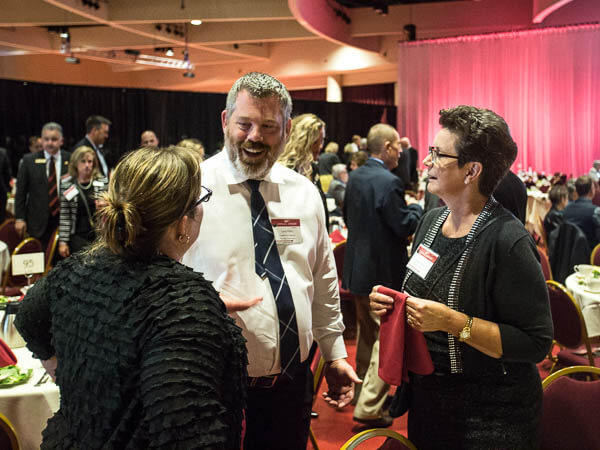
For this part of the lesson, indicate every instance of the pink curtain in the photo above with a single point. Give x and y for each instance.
(544, 82)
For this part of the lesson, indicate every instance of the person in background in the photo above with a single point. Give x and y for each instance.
(97, 129)
(349, 150)
(79, 200)
(413, 160)
(5, 181)
(35, 144)
(37, 202)
(559, 197)
(135, 339)
(337, 188)
(148, 139)
(193, 144)
(595, 171)
(512, 194)
(477, 292)
(328, 159)
(582, 212)
(294, 274)
(358, 159)
(379, 224)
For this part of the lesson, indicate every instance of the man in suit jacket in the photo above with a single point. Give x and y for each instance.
(32, 209)
(413, 157)
(97, 129)
(5, 176)
(379, 222)
(583, 213)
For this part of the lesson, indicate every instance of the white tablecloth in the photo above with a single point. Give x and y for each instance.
(4, 257)
(29, 407)
(589, 302)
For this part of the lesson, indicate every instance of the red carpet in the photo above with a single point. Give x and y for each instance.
(334, 427)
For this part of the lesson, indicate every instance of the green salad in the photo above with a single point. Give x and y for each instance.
(13, 375)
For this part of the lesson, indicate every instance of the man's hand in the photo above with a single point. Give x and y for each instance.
(234, 304)
(20, 227)
(340, 378)
(63, 249)
(380, 304)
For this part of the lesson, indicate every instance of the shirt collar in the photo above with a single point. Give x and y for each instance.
(234, 176)
(48, 155)
(377, 159)
(91, 142)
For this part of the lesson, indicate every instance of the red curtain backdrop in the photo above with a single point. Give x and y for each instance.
(544, 82)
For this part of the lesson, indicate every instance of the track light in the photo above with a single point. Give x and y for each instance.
(169, 52)
(64, 33)
(196, 22)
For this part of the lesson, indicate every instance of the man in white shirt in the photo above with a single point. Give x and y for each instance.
(256, 125)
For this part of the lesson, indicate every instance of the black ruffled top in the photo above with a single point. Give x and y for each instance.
(147, 355)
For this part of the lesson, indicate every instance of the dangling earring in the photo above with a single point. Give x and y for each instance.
(181, 238)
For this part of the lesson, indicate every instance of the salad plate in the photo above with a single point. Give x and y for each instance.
(13, 376)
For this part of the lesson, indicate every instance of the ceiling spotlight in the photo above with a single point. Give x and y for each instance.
(189, 74)
(196, 22)
(381, 10)
(169, 52)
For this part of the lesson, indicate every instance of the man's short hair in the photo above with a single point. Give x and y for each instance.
(558, 193)
(583, 185)
(52, 126)
(377, 136)
(95, 122)
(260, 85)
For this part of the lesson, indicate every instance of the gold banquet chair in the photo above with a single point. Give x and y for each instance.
(394, 441)
(8, 435)
(569, 412)
(12, 284)
(595, 256)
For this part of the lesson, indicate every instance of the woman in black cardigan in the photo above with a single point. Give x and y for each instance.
(144, 353)
(482, 304)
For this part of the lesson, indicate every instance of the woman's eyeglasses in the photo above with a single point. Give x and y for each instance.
(205, 194)
(435, 154)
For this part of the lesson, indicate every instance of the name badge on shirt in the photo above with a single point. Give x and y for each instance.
(422, 261)
(40, 160)
(97, 183)
(287, 231)
(70, 193)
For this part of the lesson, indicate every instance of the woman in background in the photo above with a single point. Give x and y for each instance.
(144, 353)
(79, 198)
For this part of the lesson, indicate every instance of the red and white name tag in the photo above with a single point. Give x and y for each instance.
(70, 193)
(287, 231)
(422, 261)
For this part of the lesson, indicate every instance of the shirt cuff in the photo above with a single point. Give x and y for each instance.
(332, 347)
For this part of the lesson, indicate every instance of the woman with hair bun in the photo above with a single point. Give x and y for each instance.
(141, 346)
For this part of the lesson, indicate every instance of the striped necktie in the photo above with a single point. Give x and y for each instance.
(268, 264)
(53, 205)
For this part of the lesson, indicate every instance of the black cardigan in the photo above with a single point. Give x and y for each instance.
(503, 283)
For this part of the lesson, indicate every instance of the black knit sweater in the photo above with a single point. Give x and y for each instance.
(147, 356)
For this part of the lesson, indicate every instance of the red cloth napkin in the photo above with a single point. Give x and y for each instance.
(401, 347)
(336, 236)
(7, 357)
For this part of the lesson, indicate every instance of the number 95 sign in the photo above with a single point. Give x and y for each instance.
(28, 263)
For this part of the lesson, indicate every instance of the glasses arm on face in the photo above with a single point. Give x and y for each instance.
(205, 195)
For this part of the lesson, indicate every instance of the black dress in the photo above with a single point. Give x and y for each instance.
(147, 355)
(491, 406)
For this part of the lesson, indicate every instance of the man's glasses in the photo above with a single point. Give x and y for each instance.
(435, 154)
(205, 194)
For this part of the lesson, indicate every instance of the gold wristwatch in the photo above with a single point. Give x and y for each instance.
(465, 333)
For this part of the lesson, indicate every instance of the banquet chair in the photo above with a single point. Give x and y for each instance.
(346, 297)
(9, 235)
(569, 418)
(394, 441)
(569, 249)
(50, 252)
(543, 237)
(545, 262)
(8, 435)
(317, 366)
(570, 331)
(595, 256)
(11, 284)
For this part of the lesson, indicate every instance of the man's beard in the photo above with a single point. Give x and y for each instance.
(253, 171)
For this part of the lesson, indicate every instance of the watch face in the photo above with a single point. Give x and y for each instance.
(465, 334)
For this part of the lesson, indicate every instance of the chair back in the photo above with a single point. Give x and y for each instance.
(543, 237)
(9, 235)
(339, 252)
(545, 262)
(595, 257)
(8, 435)
(325, 182)
(569, 418)
(29, 245)
(569, 325)
(394, 441)
(570, 248)
(50, 251)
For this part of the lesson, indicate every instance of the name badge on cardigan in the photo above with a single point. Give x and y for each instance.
(70, 193)
(287, 231)
(422, 261)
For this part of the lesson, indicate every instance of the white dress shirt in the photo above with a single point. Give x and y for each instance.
(224, 253)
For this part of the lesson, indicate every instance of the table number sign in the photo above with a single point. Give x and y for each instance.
(28, 263)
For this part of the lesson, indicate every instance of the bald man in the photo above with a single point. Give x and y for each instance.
(148, 139)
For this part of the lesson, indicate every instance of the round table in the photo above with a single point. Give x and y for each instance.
(589, 302)
(28, 407)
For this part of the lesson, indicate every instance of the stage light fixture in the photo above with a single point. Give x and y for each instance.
(196, 22)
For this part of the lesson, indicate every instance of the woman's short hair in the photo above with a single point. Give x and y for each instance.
(297, 154)
(558, 193)
(337, 170)
(193, 144)
(332, 147)
(150, 189)
(483, 136)
(360, 157)
(76, 157)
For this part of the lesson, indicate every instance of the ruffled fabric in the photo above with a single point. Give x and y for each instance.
(148, 357)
